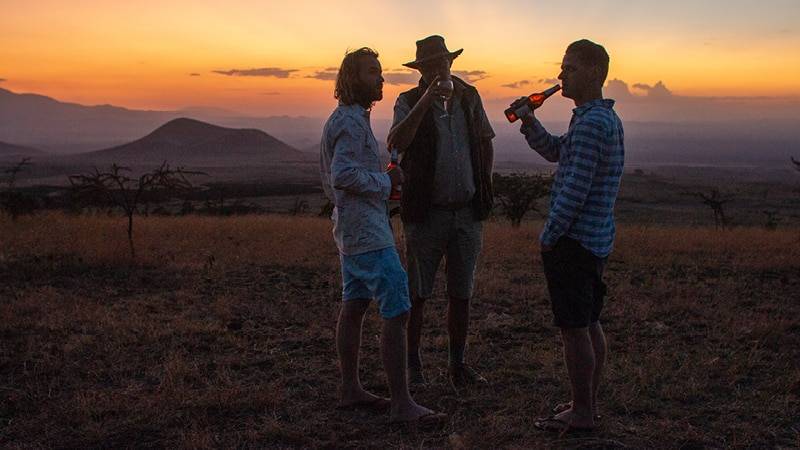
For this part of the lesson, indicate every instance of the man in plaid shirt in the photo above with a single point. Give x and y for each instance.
(579, 233)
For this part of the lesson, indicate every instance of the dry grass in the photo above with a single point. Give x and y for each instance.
(221, 335)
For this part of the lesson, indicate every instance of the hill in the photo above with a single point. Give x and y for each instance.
(10, 151)
(187, 141)
(61, 127)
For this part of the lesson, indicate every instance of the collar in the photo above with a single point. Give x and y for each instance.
(601, 102)
(356, 110)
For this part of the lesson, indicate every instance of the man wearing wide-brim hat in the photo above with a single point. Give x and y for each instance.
(445, 140)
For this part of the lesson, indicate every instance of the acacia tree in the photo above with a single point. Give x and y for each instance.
(117, 189)
(11, 200)
(716, 201)
(518, 193)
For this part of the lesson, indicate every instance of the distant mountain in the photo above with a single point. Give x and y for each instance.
(192, 142)
(42, 122)
(68, 128)
(9, 151)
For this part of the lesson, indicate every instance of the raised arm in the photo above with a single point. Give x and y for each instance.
(407, 120)
(546, 144)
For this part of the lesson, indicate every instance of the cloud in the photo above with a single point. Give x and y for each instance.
(260, 72)
(398, 77)
(328, 74)
(471, 75)
(270, 93)
(194, 74)
(517, 84)
(549, 80)
(618, 90)
(658, 90)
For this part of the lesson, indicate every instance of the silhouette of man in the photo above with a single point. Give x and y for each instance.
(354, 180)
(579, 232)
(447, 157)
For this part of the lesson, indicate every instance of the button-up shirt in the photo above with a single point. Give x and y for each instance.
(454, 182)
(590, 160)
(354, 179)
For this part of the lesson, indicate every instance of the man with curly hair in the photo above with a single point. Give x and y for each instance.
(354, 180)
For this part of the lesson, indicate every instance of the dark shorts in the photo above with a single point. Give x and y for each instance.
(575, 282)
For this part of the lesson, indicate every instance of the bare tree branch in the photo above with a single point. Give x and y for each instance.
(121, 191)
(716, 201)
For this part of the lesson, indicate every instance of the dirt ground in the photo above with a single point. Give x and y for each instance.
(220, 335)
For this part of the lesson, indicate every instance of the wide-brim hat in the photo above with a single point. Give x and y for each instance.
(430, 48)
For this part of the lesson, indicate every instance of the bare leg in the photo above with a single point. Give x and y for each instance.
(393, 349)
(415, 331)
(579, 356)
(600, 350)
(348, 344)
(457, 328)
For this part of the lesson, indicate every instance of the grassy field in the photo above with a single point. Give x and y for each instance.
(221, 335)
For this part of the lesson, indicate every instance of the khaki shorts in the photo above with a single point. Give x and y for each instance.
(454, 235)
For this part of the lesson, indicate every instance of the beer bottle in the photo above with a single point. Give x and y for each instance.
(394, 196)
(534, 101)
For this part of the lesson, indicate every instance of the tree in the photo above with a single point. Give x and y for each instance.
(796, 164)
(119, 190)
(518, 193)
(12, 201)
(716, 201)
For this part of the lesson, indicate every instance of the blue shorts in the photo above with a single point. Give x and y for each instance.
(377, 274)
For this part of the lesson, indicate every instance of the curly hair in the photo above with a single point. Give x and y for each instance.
(348, 89)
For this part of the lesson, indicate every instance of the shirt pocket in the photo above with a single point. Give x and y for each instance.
(371, 155)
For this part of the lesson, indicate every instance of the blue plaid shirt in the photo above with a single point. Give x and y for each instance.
(590, 160)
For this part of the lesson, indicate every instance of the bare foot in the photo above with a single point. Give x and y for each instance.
(561, 407)
(362, 397)
(574, 419)
(409, 412)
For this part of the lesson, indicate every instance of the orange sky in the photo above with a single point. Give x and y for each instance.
(142, 54)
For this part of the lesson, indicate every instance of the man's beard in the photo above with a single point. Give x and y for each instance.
(367, 94)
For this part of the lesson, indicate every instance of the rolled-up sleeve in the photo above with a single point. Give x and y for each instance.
(348, 173)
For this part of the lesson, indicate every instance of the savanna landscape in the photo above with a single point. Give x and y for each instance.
(220, 332)
(168, 275)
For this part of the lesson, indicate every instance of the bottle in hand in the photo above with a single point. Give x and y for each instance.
(394, 196)
(534, 101)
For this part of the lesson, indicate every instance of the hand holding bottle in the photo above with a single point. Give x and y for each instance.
(396, 175)
(520, 103)
(523, 107)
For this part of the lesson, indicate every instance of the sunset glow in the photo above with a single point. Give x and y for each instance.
(163, 55)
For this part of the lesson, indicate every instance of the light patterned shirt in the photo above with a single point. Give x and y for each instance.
(354, 179)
